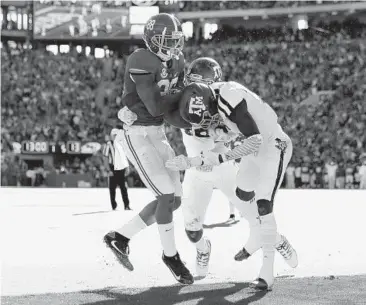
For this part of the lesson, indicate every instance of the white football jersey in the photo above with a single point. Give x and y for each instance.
(195, 145)
(231, 94)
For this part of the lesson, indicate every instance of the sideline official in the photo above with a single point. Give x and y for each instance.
(118, 166)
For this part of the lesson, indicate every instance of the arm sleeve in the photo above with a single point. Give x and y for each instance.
(174, 119)
(243, 119)
(172, 113)
(248, 127)
(142, 73)
(148, 91)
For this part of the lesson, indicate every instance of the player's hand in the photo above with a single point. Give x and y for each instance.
(181, 163)
(222, 134)
(127, 116)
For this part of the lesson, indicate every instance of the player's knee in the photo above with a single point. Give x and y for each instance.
(243, 195)
(194, 236)
(164, 208)
(265, 207)
(177, 203)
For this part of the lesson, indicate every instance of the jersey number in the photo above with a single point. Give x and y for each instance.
(165, 84)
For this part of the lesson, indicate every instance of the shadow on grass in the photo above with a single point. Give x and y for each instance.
(201, 294)
(89, 213)
(224, 224)
(225, 293)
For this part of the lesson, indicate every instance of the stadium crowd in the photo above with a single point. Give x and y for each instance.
(194, 5)
(314, 82)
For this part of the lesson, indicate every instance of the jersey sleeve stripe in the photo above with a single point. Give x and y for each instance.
(226, 103)
(225, 112)
(134, 71)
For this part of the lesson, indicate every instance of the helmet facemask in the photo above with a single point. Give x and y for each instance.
(168, 46)
(196, 78)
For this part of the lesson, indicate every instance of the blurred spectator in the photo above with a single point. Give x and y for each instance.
(290, 176)
(362, 175)
(341, 176)
(331, 169)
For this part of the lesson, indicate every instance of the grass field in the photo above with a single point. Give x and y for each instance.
(52, 252)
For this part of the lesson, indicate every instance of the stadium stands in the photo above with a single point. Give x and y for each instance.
(315, 83)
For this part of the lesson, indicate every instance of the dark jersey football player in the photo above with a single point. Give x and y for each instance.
(151, 78)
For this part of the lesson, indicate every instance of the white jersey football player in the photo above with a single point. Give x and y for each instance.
(264, 154)
(200, 182)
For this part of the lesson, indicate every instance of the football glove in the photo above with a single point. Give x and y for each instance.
(181, 163)
(127, 116)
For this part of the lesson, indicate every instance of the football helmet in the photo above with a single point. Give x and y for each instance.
(199, 106)
(163, 36)
(204, 70)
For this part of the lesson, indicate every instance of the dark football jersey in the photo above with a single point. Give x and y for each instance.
(166, 76)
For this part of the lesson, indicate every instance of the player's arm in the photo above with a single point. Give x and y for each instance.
(248, 127)
(146, 86)
(147, 90)
(182, 61)
(174, 118)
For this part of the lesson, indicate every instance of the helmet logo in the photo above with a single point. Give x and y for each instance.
(150, 25)
(196, 105)
(164, 73)
(217, 72)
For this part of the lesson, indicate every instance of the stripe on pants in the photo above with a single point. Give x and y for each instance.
(279, 174)
(139, 164)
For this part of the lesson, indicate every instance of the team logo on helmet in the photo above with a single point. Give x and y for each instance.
(150, 24)
(196, 106)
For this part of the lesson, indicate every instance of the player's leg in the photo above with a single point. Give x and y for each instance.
(150, 166)
(197, 190)
(112, 190)
(122, 186)
(273, 166)
(225, 181)
(164, 212)
(248, 210)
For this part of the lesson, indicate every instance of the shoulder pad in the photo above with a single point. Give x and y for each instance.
(231, 94)
(142, 62)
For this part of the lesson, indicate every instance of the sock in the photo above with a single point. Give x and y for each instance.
(268, 235)
(232, 208)
(254, 241)
(134, 226)
(278, 239)
(201, 245)
(167, 239)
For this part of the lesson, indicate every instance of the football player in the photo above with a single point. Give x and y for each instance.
(208, 71)
(199, 182)
(264, 155)
(151, 74)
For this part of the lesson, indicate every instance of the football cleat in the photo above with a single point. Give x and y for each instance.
(119, 246)
(261, 284)
(242, 255)
(178, 269)
(203, 259)
(287, 251)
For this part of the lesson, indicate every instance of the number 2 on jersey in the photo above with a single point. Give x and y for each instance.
(165, 84)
